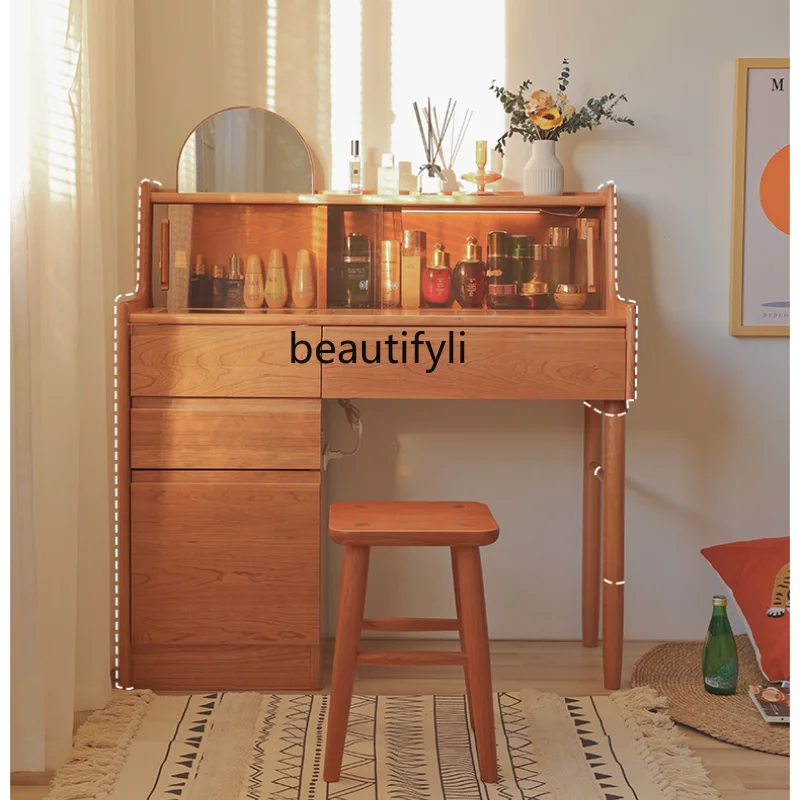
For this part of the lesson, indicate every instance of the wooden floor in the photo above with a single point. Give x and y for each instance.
(565, 668)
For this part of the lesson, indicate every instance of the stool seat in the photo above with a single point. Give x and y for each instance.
(412, 524)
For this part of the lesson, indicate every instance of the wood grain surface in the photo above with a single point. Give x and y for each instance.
(516, 363)
(225, 433)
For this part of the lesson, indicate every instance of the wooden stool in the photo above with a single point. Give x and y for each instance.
(463, 527)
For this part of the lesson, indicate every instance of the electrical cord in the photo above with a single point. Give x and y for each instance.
(353, 416)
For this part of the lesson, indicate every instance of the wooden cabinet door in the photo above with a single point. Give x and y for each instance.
(225, 558)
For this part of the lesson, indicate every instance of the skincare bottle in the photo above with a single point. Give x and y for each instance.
(178, 294)
(388, 176)
(437, 279)
(587, 250)
(355, 167)
(276, 292)
(234, 283)
(538, 265)
(413, 260)
(303, 284)
(253, 283)
(560, 257)
(469, 277)
(390, 274)
(199, 286)
(501, 285)
(357, 269)
(217, 286)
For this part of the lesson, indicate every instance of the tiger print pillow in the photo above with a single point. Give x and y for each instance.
(757, 574)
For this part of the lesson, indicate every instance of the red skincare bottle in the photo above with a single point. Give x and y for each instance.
(437, 279)
(469, 277)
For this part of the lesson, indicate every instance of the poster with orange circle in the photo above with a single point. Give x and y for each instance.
(760, 245)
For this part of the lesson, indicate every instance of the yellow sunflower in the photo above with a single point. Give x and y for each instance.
(548, 119)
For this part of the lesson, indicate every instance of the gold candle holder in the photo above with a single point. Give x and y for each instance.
(481, 176)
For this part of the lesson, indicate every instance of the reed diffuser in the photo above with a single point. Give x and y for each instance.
(430, 177)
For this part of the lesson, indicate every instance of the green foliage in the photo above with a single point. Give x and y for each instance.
(523, 115)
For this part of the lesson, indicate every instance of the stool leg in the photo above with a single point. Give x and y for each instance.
(348, 633)
(461, 637)
(476, 642)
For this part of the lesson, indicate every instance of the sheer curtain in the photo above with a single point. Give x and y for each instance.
(72, 239)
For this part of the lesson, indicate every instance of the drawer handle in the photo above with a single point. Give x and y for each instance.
(165, 254)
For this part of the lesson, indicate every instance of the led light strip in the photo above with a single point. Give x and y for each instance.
(635, 316)
(117, 300)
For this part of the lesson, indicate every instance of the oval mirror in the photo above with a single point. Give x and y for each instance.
(245, 149)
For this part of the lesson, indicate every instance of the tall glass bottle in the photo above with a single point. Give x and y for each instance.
(501, 287)
(559, 257)
(720, 660)
(357, 270)
(469, 277)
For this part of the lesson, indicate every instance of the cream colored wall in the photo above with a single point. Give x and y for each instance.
(707, 445)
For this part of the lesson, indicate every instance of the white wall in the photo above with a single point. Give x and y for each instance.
(708, 438)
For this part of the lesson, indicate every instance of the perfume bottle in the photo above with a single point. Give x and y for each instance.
(276, 291)
(355, 167)
(217, 286)
(437, 279)
(390, 274)
(388, 176)
(234, 283)
(469, 277)
(501, 285)
(199, 286)
(303, 283)
(357, 269)
(253, 283)
(413, 260)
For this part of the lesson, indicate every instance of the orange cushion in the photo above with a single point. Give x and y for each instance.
(757, 574)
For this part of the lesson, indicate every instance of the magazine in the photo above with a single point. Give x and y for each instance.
(771, 701)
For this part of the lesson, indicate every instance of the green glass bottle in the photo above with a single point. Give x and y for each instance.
(720, 660)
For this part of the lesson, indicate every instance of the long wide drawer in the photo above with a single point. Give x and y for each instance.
(225, 433)
(221, 361)
(225, 558)
(562, 364)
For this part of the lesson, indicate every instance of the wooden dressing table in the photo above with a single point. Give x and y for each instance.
(220, 481)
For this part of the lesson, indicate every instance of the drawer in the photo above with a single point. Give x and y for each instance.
(220, 361)
(225, 558)
(562, 364)
(225, 433)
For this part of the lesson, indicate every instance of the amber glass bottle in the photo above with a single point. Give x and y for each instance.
(469, 277)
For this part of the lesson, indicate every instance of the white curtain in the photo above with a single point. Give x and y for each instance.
(73, 188)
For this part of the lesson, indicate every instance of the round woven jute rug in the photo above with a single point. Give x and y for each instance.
(675, 671)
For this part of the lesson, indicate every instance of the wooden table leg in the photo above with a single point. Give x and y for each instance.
(476, 642)
(348, 634)
(460, 618)
(613, 542)
(592, 455)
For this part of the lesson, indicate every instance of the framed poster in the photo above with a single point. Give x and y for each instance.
(760, 227)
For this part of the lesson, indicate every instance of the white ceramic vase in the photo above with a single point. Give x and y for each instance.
(544, 173)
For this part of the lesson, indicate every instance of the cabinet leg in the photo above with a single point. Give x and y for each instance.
(348, 634)
(476, 642)
(592, 455)
(460, 617)
(613, 542)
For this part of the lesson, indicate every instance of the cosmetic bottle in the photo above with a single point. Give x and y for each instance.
(538, 264)
(413, 261)
(217, 286)
(178, 294)
(437, 279)
(469, 277)
(357, 270)
(533, 294)
(253, 283)
(570, 296)
(560, 257)
(355, 167)
(234, 283)
(303, 283)
(501, 287)
(520, 256)
(199, 286)
(388, 176)
(587, 251)
(276, 291)
(390, 274)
